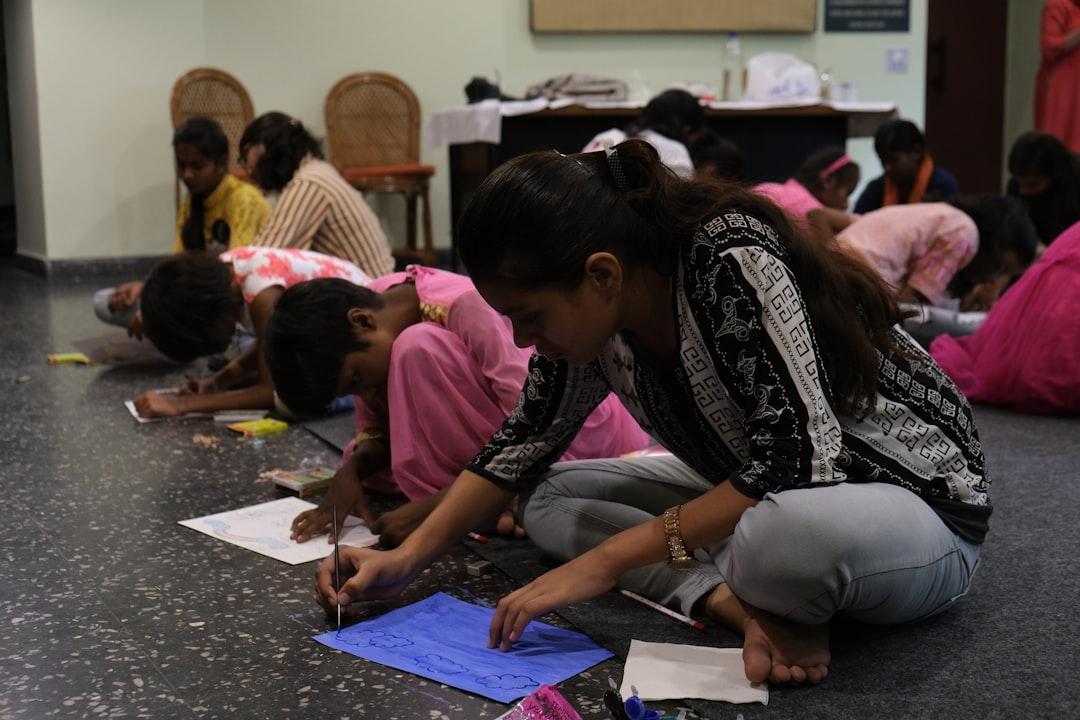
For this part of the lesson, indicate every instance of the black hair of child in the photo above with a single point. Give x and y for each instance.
(190, 304)
(308, 337)
(205, 135)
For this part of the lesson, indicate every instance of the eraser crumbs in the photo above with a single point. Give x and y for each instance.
(207, 441)
(478, 568)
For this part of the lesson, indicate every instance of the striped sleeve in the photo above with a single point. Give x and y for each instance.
(351, 231)
(296, 217)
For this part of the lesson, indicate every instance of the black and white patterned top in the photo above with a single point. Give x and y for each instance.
(747, 401)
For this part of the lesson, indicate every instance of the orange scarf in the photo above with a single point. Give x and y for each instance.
(922, 180)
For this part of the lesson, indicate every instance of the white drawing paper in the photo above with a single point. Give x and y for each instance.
(264, 529)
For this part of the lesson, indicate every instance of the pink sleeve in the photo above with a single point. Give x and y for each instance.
(795, 199)
(490, 338)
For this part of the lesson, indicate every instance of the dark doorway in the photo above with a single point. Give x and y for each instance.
(965, 90)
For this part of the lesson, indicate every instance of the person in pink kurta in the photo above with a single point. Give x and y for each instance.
(1026, 354)
(916, 248)
(439, 375)
(1057, 86)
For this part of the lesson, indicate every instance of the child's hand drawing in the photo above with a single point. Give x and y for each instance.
(346, 494)
(153, 404)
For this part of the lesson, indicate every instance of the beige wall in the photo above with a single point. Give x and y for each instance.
(1021, 64)
(92, 79)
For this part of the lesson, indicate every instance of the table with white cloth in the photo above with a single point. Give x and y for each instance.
(775, 138)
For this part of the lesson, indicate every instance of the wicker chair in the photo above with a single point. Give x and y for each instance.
(209, 92)
(373, 136)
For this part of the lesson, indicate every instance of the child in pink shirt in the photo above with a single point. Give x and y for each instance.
(817, 197)
(435, 372)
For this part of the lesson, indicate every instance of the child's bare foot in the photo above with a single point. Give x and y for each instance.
(777, 650)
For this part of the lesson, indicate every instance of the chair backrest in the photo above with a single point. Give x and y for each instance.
(213, 93)
(372, 119)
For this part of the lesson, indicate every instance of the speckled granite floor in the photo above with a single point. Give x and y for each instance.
(108, 608)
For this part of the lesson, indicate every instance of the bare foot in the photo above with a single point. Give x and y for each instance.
(507, 524)
(777, 650)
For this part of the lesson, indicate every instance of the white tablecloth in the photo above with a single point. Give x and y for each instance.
(482, 121)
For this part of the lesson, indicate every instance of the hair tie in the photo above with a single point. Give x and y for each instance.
(615, 167)
(836, 165)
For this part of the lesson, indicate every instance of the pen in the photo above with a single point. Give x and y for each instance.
(337, 568)
(478, 537)
(667, 611)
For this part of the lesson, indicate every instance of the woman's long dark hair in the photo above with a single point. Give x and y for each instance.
(286, 141)
(537, 218)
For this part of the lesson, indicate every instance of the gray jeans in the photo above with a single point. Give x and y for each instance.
(873, 551)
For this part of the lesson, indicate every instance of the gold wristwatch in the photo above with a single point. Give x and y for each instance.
(679, 558)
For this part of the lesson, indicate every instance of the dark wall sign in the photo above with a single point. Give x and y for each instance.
(867, 15)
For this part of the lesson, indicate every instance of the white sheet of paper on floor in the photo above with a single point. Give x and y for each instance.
(669, 671)
(264, 529)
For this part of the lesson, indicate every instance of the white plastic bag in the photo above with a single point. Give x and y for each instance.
(780, 77)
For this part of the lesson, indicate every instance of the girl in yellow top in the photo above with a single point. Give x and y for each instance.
(220, 212)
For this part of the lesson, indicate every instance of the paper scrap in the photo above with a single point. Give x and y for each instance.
(670, 671)
(445, 639)
(264, 529)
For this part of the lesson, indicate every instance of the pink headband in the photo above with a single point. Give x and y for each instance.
(836, 165)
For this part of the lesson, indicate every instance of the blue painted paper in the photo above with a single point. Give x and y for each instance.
(445, 639)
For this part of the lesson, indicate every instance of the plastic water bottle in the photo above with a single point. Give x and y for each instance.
(733, 68)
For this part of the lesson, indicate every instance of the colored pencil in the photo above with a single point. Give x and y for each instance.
(666, 610)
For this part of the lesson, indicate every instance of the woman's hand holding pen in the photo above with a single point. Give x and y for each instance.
(372, 575)
(582, 578)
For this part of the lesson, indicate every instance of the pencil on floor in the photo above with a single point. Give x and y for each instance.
(666, 610)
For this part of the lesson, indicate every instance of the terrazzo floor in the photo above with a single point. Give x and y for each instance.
(110, 609)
